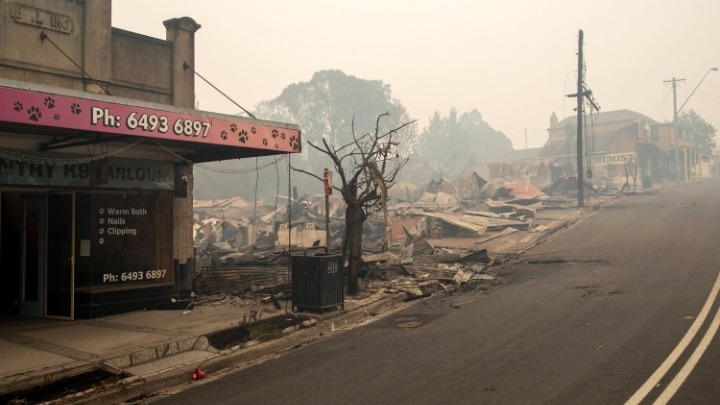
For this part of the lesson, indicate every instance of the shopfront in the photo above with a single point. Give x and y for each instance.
(94, 210)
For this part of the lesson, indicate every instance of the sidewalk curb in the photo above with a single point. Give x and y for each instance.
(180, 375)
(150, 354)
(35, 378)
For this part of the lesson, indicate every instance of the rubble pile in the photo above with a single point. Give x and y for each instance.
(567, 186)
(238, 280)
(243, 248)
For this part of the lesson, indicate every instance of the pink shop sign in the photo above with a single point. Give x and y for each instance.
(59, 111)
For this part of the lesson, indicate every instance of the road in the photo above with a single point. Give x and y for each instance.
(585, 318)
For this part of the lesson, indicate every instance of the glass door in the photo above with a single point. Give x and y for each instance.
(32, 301)
(60, 256)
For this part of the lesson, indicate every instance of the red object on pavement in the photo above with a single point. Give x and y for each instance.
(198, 374)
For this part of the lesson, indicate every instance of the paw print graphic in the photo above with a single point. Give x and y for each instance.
(56, 117)
(18, 106)
(274, 133)
(49, 102)
(75, 108)
(34, 114)
(282, 135)
(243, 136)
(253, 130)
(233, 127)
(223, 135)
(294, 143)
(277, 146)
(265, 142)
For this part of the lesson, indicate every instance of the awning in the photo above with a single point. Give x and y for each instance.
(71, 118)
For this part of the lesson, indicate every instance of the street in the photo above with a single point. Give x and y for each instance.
(585, 318)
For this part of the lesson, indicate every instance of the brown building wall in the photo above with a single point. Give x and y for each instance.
(22, 23)
(81, 29)
(71, 44)
(141, 67)
(662, 136)
(665, 135)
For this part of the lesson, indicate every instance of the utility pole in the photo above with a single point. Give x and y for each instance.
(580, 95)
(676, 112)
(675, 126)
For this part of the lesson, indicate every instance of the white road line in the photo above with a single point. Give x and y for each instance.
(683, 374)
(654, 379)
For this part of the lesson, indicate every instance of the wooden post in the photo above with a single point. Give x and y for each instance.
(327, 180)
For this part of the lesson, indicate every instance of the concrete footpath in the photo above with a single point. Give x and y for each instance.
(154, 349)
(161, 348)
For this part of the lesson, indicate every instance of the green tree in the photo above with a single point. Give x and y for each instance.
(327, 107)
(701, 131)
(453, 143)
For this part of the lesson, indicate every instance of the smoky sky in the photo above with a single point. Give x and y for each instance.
(513, 60)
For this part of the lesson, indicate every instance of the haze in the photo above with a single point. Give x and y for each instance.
(512, 60)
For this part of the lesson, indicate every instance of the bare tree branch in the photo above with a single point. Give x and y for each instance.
(315, 176)
(306, 172)
(367, 168)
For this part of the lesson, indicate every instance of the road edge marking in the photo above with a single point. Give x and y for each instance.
(655, 378)
(684, 372)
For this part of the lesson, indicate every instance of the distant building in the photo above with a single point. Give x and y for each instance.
(622, 149)
(684, 158)
(618, 149)
(98, 137)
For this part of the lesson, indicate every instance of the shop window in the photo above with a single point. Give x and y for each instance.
(123, 240)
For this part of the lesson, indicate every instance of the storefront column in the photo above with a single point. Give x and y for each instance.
(97, 45)
(181, 32)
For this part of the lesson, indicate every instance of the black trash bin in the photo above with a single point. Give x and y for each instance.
(317, 282)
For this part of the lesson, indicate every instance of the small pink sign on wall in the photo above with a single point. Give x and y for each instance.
(60, 111)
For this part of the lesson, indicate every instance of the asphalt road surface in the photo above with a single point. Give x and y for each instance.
(617, 309)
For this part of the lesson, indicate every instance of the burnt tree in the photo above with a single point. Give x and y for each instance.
(367, 168)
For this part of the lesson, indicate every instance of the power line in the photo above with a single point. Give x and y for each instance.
(44, 36)
(186, 66)
(29, 158)
(662, 104)
(242, 170)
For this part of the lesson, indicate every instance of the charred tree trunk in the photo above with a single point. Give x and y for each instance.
(370, 168)
(355, 217)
